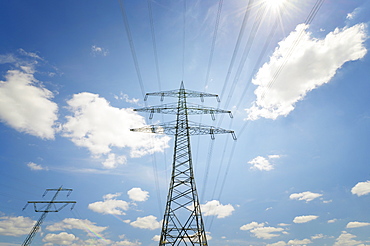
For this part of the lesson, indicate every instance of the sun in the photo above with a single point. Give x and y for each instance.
(275, 5)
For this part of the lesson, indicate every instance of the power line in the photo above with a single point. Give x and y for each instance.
(154, 43)
(213, 41)
(308, 21)
(236, 48)
(183, 41)
(132, 47)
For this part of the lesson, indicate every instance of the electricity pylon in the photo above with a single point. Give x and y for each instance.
(182, 223)
(48, 209)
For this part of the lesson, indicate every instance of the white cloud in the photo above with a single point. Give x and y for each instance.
(263, 164)
(125, 97)
(26, 106)
(313, 63)
(149, 222)
(353, 14)
(62, 238)
(356, 224)
(283, 224)
(361, 188)
(15, 226)
(156, 238)
(280, 243)
(111, 196)
(332, 221)
(36, 167)
(251, 225)
(317, 236)
(214, 207)
(126, 242)
(304, 218)
(110, 205)
(96, 50)
(72, 223)
(299, 242)
(137, 194)
(113, 161)
(347, 239)
(260, 231)
(98, 126)
(305, 196)
(266, 232)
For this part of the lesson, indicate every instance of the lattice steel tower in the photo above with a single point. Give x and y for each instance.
(182, 223)
(50, 206)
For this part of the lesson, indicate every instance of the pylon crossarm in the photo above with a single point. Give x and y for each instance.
(194, 129)
(192, 109)
(65, 203)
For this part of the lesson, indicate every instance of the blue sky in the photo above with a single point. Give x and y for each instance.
(296, 82)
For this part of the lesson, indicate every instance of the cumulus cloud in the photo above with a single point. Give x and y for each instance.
(215, 208)
(361, 188)
(260, 231)
(98, 127)
(251, 225)
(15, 226)
(62, 238)
(304, 218)
(317, 236)
(137, 194)
(80, 224)
(156, 238)
(26, 105)
(149, 222)
(280, 243)
(110, 205)
(262, 163)
(36, 167)
(266, 232)
(113, 161)
(346, 239)
(313, 63)
(305, 196)
(356, 224)
(299, 242)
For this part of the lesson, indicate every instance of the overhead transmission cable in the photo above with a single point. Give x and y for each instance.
(308, 21)
(132, 47)
(154, 43)
(213, 42)
(236, 48)
(255, 27)
(154, 159)
(183, 41)
(215, 31)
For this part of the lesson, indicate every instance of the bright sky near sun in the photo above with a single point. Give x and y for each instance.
(295, 75)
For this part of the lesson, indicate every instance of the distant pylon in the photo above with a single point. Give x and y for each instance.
(183, 222)
(45, 211)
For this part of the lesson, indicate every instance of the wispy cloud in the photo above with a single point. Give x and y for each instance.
(36, 167)
(96, 50)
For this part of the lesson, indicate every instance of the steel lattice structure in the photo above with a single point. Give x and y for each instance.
(50, 207)
(182, 223)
